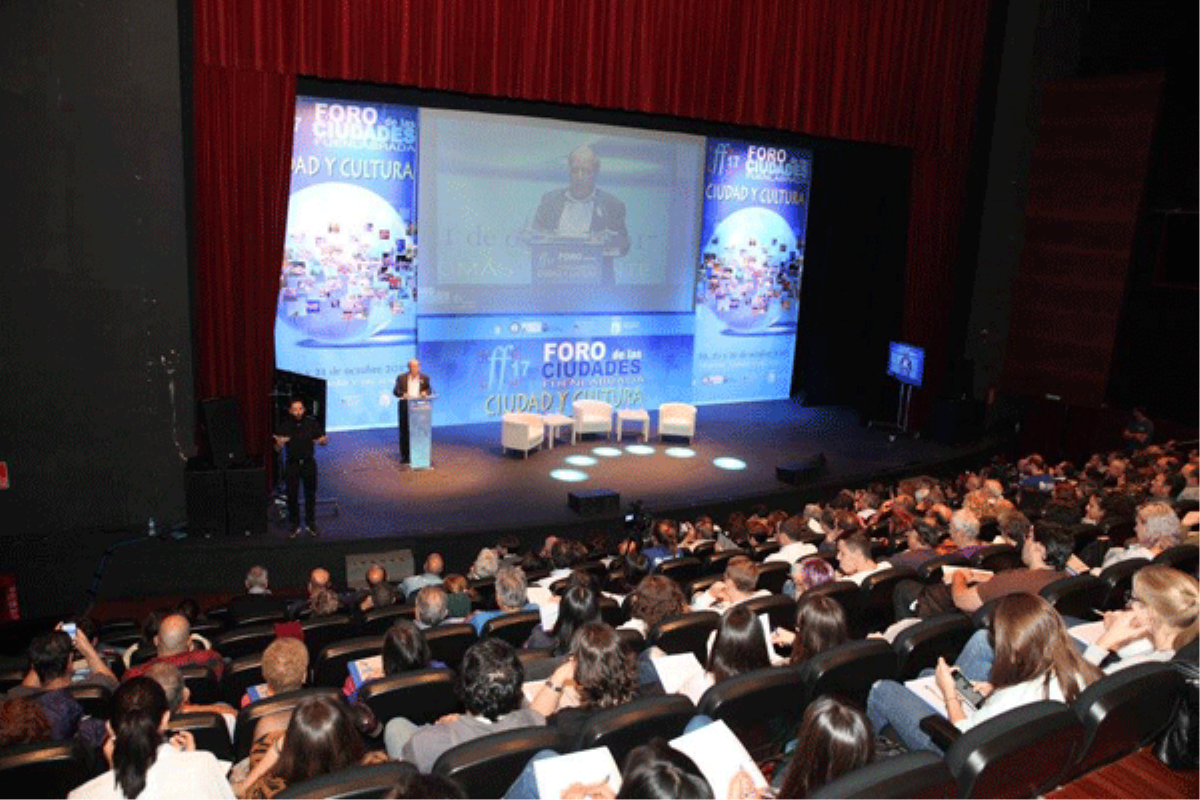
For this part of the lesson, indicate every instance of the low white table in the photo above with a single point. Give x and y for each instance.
(636, 416)
(553, 423)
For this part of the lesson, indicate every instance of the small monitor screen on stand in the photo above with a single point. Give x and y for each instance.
(906, 363)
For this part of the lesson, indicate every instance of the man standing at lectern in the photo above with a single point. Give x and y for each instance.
(298, 433)
(409, 386)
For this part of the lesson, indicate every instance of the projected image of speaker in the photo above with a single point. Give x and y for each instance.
(223, 430)
(805, 469)
(246, 496)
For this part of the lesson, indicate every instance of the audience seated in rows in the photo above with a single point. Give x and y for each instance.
(511, 596)
(174, 646)
(404, 650)
(740, 584)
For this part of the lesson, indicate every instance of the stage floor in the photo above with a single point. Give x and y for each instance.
(474, 485)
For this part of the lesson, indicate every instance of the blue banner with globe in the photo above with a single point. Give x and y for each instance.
(347, 296)
(748, 276)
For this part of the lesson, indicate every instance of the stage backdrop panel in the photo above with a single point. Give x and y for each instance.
(751, 263)
(347, 297)
(493, 365)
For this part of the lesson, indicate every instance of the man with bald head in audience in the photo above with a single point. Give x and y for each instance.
(432, 576)
(174, 644)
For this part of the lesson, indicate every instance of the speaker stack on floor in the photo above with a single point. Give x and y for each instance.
(226, 492)
(797, 472)
(594, 501)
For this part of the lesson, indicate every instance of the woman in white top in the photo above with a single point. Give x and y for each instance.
(1035, 660)
(1161, 617)
(143, 763)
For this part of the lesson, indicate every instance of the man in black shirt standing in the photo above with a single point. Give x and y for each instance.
(298, 433)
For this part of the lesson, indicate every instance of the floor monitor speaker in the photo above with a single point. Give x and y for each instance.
(804, 469)
(594, 501)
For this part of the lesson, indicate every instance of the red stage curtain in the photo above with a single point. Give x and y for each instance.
(897, 72)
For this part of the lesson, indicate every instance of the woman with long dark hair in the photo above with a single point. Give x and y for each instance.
(1035, 660)
(599, 673)
(820, 626)
(144, 763)
(739, 646)
(579, 605)
(404, 650)
(320, 739)
(834, 739)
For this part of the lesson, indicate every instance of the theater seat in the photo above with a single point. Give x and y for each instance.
(918, 774)
(761, 551)
(681, 570)
(1077, 596)
(1118, 581)
(701, 584)
(920, 646)
(241, 674)
(421, 696)
(244, 641)
(625, 727)
(248, 716)
(1020, 753)
(982, 618)
(848, 670)
(931, 570)
(780, 609)
(1124, 711)
(331, 666)
(848, 593)
(539, 664)
(44, 769)
(95, 699)
(761, 707)
(611, 611)
(717, 561)
(632, 639)
(1184, 557)
(208, 729)
(876, 612)
(378, 620)
(448, 642)
(512, 628)
(997, 558)
(487, 767)
(685, 633)
(202, 685)
(772, 575)
(322, 631)
(373, 780)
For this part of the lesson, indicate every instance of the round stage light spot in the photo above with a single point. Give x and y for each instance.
(640, 449)
(580, 461)
(569, 475)
(681, 452)
(725, 462)
(606, 452)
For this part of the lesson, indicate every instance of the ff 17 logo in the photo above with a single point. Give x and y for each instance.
(723, 159)
(505, 366)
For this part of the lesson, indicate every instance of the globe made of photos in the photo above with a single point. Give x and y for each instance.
(751, 264)
(340, 280)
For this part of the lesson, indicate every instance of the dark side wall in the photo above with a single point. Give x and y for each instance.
(95, 342)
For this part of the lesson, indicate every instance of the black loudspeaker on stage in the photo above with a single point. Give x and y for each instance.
(594, 501)
(804, 469)
(223, 430)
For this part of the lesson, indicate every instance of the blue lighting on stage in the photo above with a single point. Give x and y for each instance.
(580, 461)
(606, 452)
(726, 462)
(681, 452)
(640, 450)
(569, 475)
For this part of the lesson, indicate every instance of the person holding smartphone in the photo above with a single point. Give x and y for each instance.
(1035, 660)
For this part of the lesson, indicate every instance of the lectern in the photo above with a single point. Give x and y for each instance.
(420, 431)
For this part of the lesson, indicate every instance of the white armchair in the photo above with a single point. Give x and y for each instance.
(676, 419)
(522, 432)
(592, 416)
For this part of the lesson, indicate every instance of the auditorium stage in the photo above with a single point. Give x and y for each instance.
(475, 486)
(475, 493)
